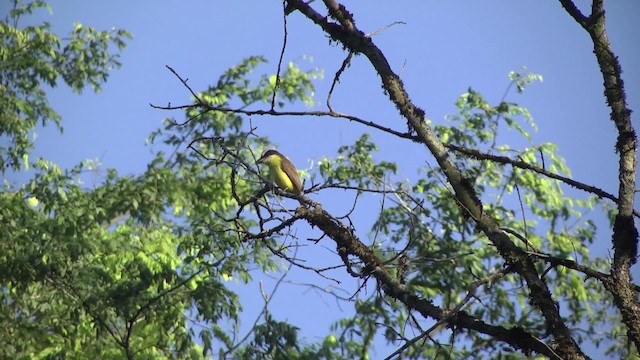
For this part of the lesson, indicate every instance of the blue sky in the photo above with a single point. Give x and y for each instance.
(443, 48)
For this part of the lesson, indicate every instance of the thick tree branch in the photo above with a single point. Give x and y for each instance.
(349, 244)
(575, 13)
(625, 234)
(356, 41)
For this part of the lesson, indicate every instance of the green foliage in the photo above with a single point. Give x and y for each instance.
(295, 84)
(32, 59)
(354, 161)
(272, 340)
(121, 269)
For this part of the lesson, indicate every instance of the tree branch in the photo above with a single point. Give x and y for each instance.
(575, 13)
(478, 155)
(625, 234)
(349, 244)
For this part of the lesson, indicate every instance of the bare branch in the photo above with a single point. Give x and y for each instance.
(284, 47)
(336, 78)
(625, 233)
(575, 13)
(478, 155)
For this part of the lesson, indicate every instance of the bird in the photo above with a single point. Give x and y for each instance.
(282, 171)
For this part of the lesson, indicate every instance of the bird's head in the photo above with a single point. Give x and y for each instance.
(270, 157)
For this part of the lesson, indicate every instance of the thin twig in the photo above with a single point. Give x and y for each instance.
(284, 46)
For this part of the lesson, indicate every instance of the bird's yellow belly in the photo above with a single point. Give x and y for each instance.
(281, 179)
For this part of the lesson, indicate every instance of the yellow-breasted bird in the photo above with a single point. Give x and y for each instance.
(282, 171)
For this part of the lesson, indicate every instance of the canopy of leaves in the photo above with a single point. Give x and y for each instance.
(32, 59)
(137, 266)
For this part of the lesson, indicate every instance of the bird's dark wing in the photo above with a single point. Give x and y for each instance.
(291, 172)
